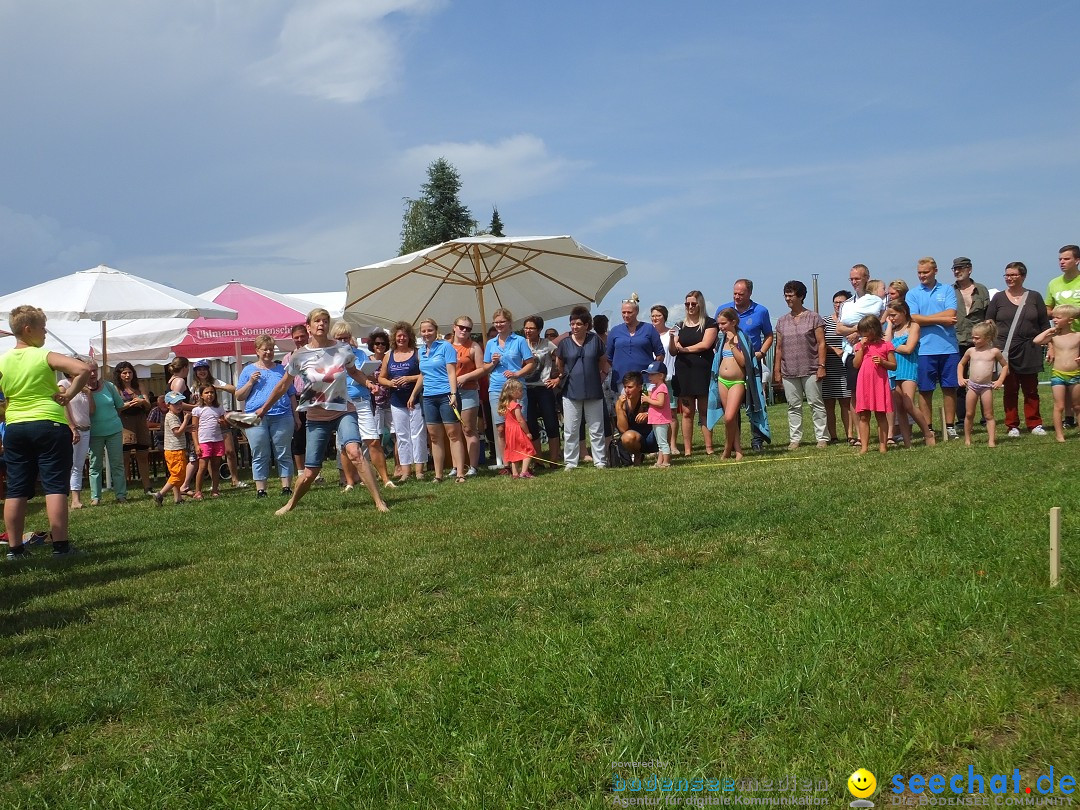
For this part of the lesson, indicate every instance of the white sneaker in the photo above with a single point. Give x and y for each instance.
(1038, 430)
(471, 472)
(951, 432)
(1014, 433)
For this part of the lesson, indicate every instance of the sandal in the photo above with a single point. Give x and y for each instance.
(196, 496)
(460, 479)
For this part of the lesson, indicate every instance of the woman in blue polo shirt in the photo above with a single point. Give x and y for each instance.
(441, 406)
(507, 357)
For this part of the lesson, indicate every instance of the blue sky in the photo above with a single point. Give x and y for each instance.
(272, 141)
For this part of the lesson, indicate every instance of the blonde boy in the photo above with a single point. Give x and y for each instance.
(1066, 369)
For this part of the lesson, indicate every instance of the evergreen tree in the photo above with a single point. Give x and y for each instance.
(496, 226)
(437, 215)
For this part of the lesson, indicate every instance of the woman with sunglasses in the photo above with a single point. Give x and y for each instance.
(693, 345)
(470, 371)
(378, 344)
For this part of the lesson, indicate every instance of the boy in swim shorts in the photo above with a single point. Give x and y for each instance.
(1066, 370)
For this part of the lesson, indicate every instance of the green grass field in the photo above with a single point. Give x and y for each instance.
(505, 644)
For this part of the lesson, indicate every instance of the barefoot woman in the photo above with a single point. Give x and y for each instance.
(323, 365)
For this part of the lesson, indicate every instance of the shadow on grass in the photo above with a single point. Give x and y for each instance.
(17, 589)
(50, 619)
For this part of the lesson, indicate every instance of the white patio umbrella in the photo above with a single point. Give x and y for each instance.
(542, 275)
(104, 294)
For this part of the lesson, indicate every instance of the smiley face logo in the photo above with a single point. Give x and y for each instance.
(862, 783)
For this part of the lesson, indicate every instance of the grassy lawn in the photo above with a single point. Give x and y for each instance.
(503, 644)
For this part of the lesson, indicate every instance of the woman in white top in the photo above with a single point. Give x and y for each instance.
(324, 365)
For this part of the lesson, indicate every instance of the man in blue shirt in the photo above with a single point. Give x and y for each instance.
(933, 308)
(754, 321)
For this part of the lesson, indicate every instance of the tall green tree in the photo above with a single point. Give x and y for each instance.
(437, 215)
(496, 226)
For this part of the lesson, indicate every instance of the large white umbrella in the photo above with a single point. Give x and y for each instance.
(542, 275)
(104, 294)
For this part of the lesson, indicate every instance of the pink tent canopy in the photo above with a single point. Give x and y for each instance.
(260, 311)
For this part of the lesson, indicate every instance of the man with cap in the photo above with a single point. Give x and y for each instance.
(933, 308)
(971, 300)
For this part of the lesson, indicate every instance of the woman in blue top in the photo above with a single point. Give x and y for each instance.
(507, 357)
(441, 404)
(632, 345)
(272, 437)
(400, 372)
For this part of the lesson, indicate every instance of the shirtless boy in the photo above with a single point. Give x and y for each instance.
(1066, 365)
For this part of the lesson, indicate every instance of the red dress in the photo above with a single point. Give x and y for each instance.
(872, 392)
(517, 446)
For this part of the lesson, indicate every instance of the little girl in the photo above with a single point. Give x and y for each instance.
(872, 393)
(730, 370)
(980, 360)
(659, 411)
(207, 421)
(903, 334)
(518, 446)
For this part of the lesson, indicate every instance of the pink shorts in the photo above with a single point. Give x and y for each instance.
(211, 449)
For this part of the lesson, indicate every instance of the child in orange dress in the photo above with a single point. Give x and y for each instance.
(518, 446)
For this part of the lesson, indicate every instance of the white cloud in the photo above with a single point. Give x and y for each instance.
(492, 173)
(338, 50)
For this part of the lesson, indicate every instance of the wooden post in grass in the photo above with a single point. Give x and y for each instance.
(1055, 544)
(944, 424)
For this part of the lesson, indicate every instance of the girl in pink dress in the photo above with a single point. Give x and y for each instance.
(518, 446)
(874, 358)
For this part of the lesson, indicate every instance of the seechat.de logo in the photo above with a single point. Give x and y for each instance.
(973, 782)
